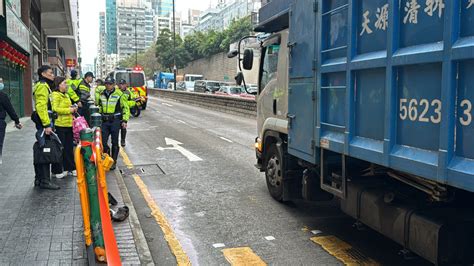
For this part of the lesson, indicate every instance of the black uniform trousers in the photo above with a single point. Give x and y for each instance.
(3, 128)
(111, 129)
(66, 136)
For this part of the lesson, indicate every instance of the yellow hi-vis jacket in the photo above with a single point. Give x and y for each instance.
(71, 90)
(41, 96)
(114, 104)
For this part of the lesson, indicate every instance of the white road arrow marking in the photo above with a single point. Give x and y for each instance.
(224, 139)
(176, 146)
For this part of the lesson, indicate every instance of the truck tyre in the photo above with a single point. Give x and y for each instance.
(274, 172)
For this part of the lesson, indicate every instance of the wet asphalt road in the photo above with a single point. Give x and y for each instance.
(223, 198)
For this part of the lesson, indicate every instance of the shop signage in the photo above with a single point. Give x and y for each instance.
(16, 6)
(70, 62)
(17, 31)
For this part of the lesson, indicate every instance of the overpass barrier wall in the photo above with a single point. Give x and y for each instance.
(225, 104)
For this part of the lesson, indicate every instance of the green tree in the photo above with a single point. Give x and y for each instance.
(166, 54)
(199, 44)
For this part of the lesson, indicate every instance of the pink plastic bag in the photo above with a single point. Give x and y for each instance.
(78, 125)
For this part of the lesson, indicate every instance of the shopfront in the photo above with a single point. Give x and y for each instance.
(14, 53)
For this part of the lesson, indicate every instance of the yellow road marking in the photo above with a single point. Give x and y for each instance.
(343, 251)
(173, 242)
(125, 159)
(242, 256)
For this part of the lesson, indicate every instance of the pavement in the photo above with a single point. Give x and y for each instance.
(42, 227)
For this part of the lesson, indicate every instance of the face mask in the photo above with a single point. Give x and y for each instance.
(2, 86)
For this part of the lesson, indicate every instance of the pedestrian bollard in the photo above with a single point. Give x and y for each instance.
(96, 120)
(87, 143)
(83, 195)
(90, 103)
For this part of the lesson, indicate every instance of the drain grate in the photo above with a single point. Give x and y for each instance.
(142, 170)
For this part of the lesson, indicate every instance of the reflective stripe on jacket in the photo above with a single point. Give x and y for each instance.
(61, 104)
(114, 104)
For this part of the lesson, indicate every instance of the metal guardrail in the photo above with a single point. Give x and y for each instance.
(225, 104)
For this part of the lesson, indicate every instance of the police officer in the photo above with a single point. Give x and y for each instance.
(84, 89)
(115, 114)
(130, 96)
(98, 90)
(72, 90)
(42, 119)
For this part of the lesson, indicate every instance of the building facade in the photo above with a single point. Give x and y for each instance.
(163, 8)
(134, 33)
(221, 17)
(33, 33)
(101, 47)
(111, 26)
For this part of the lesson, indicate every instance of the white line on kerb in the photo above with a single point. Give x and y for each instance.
(228, 140)
(167, 104)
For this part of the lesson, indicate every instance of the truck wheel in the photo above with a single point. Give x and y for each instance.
(274, 172)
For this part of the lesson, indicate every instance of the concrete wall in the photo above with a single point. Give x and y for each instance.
(231, 105)
(219, 67)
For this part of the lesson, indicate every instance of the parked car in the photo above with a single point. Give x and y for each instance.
(230, 91)
(206, 86)
(234, 91)
(185, 86)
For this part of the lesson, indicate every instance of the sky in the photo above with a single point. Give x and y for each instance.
(89, 23)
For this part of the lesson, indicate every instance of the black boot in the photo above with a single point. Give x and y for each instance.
(123, 136)
(115, 152)
(45, 184)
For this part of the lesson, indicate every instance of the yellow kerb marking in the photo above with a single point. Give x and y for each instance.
(343, 251)
(173, 242)
(242, 256)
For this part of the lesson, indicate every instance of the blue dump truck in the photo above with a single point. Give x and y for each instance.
(370, 102)
(162, 79)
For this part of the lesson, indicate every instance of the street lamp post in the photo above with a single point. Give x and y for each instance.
(174, 45)
(136, 43)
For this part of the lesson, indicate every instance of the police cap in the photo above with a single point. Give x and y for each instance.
(89, 74)
(109, 80)
(122, 81)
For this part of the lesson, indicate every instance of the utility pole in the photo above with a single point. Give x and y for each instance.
(136, 43)
(174, 45)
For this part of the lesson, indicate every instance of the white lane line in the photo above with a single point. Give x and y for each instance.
(167, 104)
(181, 121)
(228, 140)
(218, 245)
(270, 238)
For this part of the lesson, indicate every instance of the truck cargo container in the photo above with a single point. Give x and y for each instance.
(371, 102)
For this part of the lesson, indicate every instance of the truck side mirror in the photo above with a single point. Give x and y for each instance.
(248, 59)
(239, 78)
(232, 53)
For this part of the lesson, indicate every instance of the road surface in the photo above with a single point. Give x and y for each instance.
(206, 198)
